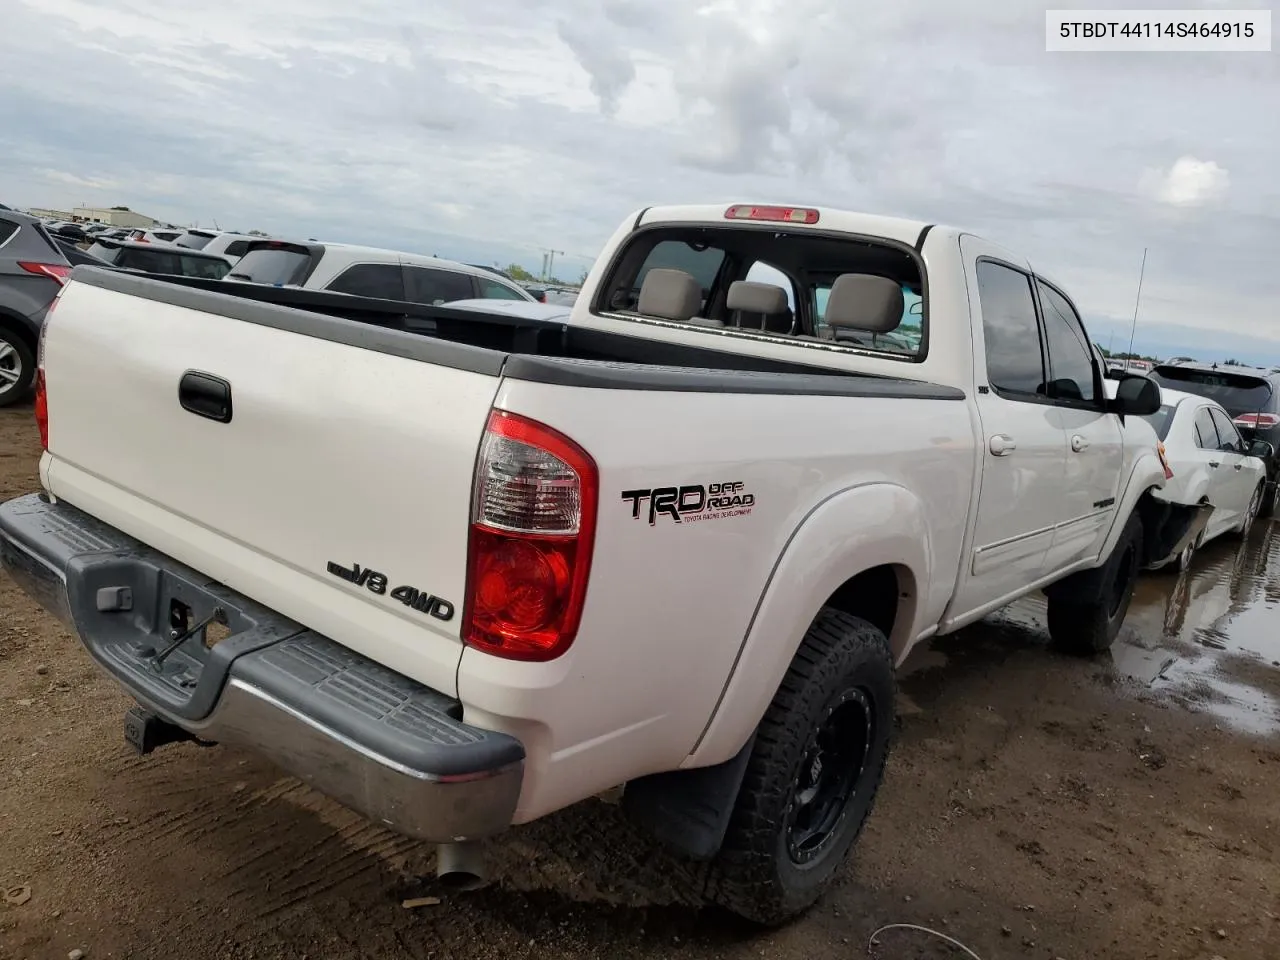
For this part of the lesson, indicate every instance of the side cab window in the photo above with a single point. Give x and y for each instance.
(1073, 375)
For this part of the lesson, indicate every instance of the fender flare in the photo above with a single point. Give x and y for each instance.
(1147, 473)
(851, 531)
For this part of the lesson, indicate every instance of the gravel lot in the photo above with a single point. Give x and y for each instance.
(1035, 806)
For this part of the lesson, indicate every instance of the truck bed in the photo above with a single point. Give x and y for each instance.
(497, 344)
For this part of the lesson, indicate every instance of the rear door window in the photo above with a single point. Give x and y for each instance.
(1015, 365)
(206, 268)
(1206, 432)
(383, 281)
(428, 285)
(7, 229)
(237, 248)
(276, 265)
(493, 290)
(1228, 437)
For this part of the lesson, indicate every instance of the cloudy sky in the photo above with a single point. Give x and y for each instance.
(489, 130)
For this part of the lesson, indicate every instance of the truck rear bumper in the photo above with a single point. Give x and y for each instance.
(373, 739)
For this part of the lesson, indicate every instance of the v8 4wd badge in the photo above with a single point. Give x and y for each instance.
(376, 582)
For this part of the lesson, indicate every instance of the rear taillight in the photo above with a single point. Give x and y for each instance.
(533, 517)
(1254, 421)
(54, 271)
(1164, 461)
(42, 393)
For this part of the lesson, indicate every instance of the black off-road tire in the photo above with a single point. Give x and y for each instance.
(843, 669)
(1085, 618)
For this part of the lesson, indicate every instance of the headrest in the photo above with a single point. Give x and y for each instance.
(752, 297)
(862, 301)
(669, 294)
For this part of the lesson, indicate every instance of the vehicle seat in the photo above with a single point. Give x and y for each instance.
(760, 306)
(672, 295)
(863, 303)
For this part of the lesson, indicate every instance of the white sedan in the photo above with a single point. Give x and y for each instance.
(1211, 463)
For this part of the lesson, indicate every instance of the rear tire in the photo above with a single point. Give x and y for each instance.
(17, 366)
(795, 817)
(1271, 500)
(1085, 621)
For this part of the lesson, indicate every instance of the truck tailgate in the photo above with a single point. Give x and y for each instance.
(342, 474)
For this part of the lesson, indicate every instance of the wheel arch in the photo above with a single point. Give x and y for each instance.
(866, 551)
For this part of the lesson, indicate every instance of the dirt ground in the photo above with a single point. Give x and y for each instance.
(1035, 807)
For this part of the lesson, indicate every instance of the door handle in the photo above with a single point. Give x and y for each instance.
(1001, 445)
(205, 395)
(1079, 443)
(1239, 466)
(1214, 463)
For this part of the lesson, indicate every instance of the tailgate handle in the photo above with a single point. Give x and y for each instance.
(205, 395)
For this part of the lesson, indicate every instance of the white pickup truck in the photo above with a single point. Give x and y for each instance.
(461, 569)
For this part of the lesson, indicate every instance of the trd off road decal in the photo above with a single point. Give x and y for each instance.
(696, 501)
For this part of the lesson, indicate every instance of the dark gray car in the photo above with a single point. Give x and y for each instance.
(32, 271)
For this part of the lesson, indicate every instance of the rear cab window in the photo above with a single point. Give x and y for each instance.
(275, 264)
(803, 265)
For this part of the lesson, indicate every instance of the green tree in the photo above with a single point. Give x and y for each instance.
(517, 272)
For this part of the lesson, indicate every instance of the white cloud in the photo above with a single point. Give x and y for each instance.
(515, 125)
(1188, 183)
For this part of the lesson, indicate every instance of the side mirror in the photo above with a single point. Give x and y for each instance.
(1260, 449)
(1136, 395)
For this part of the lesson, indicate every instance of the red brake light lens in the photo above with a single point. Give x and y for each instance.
(42, 394)
(745, 211)
(1257, 420)
(42, 409)
(1164, 462)
(532, 532)
(54, 271)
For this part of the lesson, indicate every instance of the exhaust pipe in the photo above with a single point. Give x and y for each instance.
(460, 866)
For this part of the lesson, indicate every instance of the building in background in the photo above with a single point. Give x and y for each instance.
(115, 216)
(50, 214)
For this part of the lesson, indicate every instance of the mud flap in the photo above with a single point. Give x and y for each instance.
(689, 810)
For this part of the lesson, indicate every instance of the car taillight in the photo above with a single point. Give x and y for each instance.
(54, 271)
(42, 393)
(533, 517)
(1255, 421)
(1164, 462)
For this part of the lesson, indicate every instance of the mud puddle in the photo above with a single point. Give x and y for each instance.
(1208, 639)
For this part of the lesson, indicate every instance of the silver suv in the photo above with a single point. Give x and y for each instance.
(370, 272)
